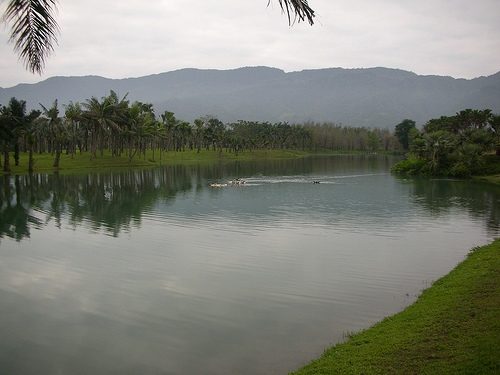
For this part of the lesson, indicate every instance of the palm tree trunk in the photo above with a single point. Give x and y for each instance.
(31, 161)
(16, 153)
(6, 158)
(58, 156)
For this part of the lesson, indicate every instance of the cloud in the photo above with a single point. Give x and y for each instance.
(119, 39)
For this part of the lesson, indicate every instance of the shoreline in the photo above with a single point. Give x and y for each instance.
(81, 163)
(452, 328)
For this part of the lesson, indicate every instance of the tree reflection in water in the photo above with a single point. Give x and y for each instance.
(113, 202)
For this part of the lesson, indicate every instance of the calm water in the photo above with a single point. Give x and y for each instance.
(157, 272)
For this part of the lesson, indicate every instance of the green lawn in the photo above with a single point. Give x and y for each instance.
(453, 328)
(83, 163)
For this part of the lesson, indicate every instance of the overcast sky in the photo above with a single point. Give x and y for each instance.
(132, 38)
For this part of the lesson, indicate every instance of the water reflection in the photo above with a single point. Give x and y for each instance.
(441, 196)
(156, 272)
(116, 202)
(112, 202)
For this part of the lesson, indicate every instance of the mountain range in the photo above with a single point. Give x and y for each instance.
(370, 97)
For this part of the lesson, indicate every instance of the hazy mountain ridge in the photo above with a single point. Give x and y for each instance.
(373, 97)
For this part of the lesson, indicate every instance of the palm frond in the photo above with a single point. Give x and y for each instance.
(34, 30)
(299, 9)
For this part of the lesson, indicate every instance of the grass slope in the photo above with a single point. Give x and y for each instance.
(453, 328)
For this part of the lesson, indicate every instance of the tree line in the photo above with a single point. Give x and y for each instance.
(450, 145)
(114, 124)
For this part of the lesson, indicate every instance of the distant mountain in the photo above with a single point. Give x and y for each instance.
(374, 97)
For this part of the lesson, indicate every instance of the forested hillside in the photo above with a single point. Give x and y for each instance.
(375, 97)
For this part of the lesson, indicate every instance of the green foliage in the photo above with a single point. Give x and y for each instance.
(14, 124)
(442, 123)
(403, 130)
(453, 145)
(114, 124)
(489, 166)
(373, 141)
(468, 157)
(411, 167)
(330, 136)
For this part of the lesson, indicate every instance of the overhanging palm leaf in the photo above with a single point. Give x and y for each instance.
(300, 8)
(34, 31)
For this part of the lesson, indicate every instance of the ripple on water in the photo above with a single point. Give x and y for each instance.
(278, 267)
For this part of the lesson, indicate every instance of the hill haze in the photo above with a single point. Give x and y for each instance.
(372, 97)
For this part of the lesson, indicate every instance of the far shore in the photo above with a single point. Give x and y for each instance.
(82, 162)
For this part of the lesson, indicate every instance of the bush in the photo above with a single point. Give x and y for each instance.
(448, 167)
(459, 171)
(411, 166)
(489, 167)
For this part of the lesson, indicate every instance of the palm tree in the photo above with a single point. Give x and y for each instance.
(34, 28)
(198, 123)
(182, 130)
(495, 126)
(57, 132)
(483, 138)
(30, 134)
(134, 127)
(438, 146)
(13, 121)
(468, 157)
(52, 122)
(299, 8)
(73, 115)
(106, 116)
(169, 121)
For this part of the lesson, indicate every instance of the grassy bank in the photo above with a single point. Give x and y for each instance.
(453, 328)
(486, 165)
(84, 163)
(495, 179)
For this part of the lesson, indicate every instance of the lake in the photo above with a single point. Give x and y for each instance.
(158, 272)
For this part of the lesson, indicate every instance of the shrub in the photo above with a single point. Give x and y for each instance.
(411, 166)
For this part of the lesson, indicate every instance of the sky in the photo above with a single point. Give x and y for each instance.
(133, 38)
